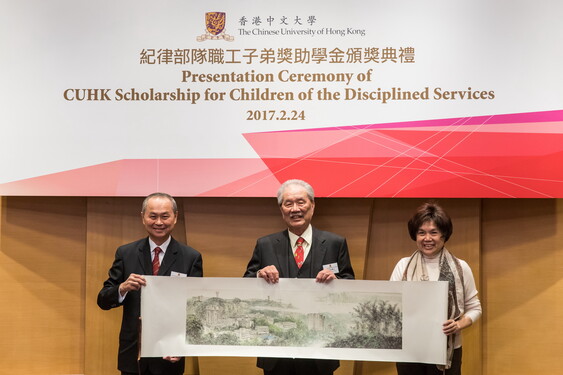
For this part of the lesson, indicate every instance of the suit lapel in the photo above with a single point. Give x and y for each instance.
(169, 258)
(144, 257)
(318, 250)
(281, 249)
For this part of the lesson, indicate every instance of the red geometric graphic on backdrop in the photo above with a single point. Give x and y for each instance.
(470, 157)
(512, 155)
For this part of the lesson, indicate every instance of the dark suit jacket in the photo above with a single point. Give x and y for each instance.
(275, 249)
(136, 258)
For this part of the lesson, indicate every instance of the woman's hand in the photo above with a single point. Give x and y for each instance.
(453, 326)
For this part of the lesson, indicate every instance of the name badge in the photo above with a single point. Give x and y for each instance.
(177, 274)
(332, 267)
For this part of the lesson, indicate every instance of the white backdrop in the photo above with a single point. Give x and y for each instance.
(510, 48)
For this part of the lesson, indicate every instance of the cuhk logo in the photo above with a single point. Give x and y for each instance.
(215, 27)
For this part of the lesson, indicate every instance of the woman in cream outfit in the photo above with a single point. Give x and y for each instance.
(431, 227)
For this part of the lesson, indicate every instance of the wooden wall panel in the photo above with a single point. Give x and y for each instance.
(111, 222)
(389, 241)
(42, 285)
(225, 230)
(523, 285)
(55, 254)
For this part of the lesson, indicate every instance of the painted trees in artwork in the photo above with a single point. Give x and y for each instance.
(377, 325)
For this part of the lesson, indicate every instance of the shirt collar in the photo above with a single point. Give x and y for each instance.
(307, 236)
(163, 247)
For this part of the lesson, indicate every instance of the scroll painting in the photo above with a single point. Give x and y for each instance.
(298, 318)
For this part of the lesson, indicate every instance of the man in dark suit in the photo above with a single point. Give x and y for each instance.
(158, 254)
(300, 251)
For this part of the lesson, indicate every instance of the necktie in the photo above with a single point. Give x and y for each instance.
(156, 261)
(299, 253)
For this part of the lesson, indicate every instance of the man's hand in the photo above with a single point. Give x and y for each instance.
(133, 282)
(270, 274)
(325, 276)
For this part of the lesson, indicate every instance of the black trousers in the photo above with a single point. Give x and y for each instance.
(296, 367)
(426, 369)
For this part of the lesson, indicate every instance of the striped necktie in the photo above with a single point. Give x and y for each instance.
(156, 261)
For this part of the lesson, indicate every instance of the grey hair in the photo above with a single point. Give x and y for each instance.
(308, 188)
(159, 195)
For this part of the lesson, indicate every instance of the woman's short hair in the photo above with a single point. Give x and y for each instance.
(431, 211)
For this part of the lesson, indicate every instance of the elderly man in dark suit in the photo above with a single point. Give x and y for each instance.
(158, 254)
(300, 251)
